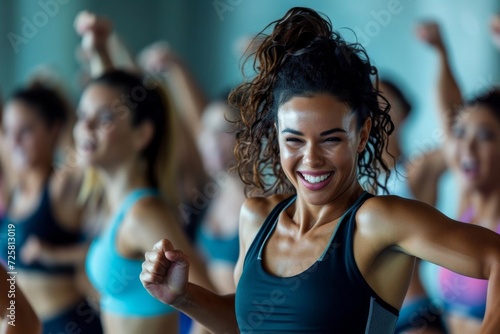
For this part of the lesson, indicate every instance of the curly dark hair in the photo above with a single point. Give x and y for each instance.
(303, 56)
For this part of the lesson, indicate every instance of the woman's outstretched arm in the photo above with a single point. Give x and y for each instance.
(95, 32)
(448, 92)
(427, 234)
(189, 97)
(165, 276)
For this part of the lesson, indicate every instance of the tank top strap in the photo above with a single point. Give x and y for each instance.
(348, 237)
(129, 201)
(44, 197)
(352, 268)
(254, 249)
(340, 224)
(271, 223)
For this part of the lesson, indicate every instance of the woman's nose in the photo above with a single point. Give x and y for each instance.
(313, 157)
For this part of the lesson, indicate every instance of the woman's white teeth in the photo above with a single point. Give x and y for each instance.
(316, 179)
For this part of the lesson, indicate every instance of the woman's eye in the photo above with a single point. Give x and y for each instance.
(106, 118)
(332, 139)
(292, 140)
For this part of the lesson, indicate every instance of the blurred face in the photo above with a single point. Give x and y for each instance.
(476, 148)
(216, 141)
(103, 132)
(29, 142)
(319, 146)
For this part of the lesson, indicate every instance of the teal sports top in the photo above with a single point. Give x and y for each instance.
(117, 277)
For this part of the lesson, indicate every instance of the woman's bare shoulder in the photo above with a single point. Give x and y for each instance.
(389, 216)
(255, 209)
(150, 211)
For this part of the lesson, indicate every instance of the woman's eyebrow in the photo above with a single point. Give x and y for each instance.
(324, 133)
(292, 131)
(329, 132)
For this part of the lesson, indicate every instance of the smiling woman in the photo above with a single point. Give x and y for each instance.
(319, 152)
(322, 255)
(304, 72)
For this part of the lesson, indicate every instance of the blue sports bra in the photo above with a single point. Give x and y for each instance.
(117, 277)
(218, 248)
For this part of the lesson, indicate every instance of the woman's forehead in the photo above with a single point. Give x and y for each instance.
(19, 110)
(477, 114)
(99, 97)
(319, 110)
(100, 93)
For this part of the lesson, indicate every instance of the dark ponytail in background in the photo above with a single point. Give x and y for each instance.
(303, 56)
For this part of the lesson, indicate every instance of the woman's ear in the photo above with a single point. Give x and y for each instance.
(364, 134)
(143, 134)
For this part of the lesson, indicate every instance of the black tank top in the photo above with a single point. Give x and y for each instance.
(43, 225)
(331, 296)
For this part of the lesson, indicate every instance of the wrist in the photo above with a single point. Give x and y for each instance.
(441, 48)
(183, 299)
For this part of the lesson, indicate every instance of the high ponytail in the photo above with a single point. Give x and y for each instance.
(303, 56)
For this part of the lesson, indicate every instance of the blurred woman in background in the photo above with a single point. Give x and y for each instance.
(43, 208)
(403, 182)
(217, 235)
(163, 69)
(128, 140)
(472, 151)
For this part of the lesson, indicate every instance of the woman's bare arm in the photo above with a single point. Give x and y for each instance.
(166, 269)
(165, 275)
(189, 97)
(95, 32)
(427, 234)
(448, 92)
(424, 173)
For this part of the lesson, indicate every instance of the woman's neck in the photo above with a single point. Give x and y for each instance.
(310, 216)
(119, 181)
(33, 180)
